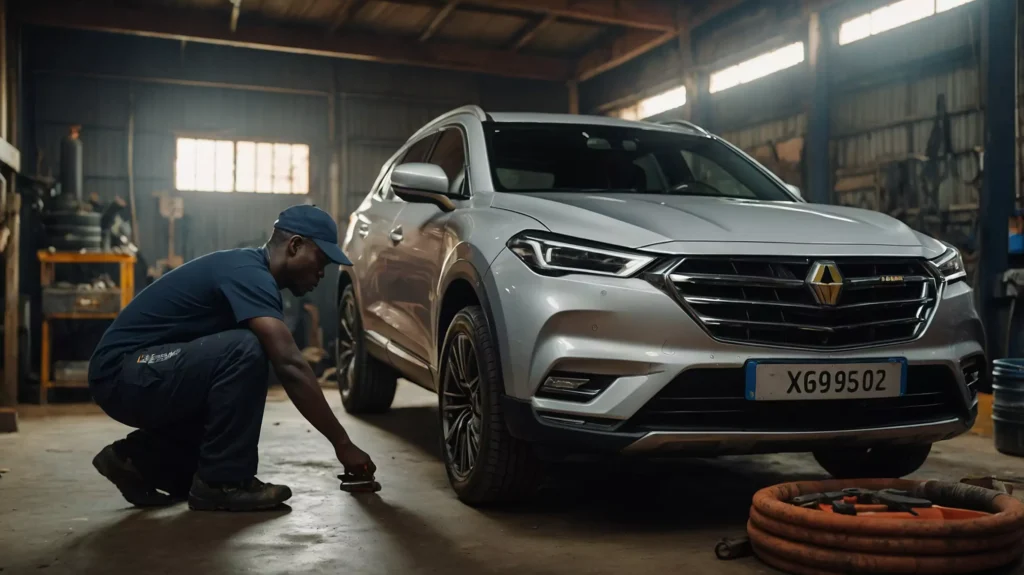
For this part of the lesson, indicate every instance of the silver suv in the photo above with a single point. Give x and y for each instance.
(577, 285)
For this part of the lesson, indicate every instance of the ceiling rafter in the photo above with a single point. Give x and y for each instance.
(346, 10)
(633, 43)
(208, 27)
(530, 31)
(439, 19)
(647, 14)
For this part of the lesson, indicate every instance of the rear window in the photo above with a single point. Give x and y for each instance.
(593, 159)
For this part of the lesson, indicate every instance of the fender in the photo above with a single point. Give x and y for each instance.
(460, 266)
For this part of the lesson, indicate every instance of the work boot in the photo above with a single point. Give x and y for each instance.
(253, 495)
(132, 485)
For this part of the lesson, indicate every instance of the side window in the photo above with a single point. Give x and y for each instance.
(451, 156)
(416, 153)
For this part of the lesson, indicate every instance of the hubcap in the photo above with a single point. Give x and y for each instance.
(460, 406)
(345, 348)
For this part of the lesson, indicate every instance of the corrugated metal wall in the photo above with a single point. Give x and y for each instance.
(886, 91)
(96, 80)
(883, 92)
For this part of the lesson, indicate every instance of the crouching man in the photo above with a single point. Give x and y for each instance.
(187, 362)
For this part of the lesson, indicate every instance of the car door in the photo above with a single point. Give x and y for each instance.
(372, 224)
(419, 240)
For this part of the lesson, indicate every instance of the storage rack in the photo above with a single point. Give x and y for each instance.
(48, 261)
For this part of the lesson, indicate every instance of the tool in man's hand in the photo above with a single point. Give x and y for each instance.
(358, 483)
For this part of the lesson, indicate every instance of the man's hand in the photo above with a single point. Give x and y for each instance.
(357, 463)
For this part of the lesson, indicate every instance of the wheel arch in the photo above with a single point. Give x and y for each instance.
(462, 286)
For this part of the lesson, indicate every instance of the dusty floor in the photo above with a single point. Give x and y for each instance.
(58, 516)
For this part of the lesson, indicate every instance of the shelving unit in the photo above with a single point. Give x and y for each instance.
(47, 269)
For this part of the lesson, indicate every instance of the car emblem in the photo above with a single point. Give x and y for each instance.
(826, 282)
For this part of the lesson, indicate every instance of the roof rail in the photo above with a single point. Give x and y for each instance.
(686, 124)
(468, 109)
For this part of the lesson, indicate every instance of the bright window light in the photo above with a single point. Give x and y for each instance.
(943, 5)
(661, 103)
(226, 166)
(758, 67)
(893, 16)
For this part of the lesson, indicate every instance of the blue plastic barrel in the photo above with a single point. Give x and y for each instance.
(1008, 405)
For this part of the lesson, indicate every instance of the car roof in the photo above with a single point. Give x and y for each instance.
(590, 120)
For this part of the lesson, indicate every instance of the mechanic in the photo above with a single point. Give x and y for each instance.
(186, 363)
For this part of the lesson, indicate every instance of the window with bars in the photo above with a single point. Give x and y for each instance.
(241, 166)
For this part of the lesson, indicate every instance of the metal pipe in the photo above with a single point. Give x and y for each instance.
(131, 164)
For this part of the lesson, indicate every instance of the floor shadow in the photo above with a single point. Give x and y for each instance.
(415, 425)
(635, 494)
(644, 495)
(425, 549)
(166, 540)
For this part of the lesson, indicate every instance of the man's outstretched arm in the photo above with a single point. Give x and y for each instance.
(301, 385)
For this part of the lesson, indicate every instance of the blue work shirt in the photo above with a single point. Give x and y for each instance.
(210, 294)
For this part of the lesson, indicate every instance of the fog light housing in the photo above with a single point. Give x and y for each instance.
(574, 386)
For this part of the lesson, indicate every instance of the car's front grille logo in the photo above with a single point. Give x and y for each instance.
(826, 282)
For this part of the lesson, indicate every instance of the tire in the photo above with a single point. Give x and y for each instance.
(75, 243)
(501, 468)
(90, 219)
(891, 462)
(367, 385)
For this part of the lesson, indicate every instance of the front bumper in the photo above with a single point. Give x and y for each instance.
(637, 335)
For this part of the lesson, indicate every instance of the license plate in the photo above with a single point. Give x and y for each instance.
(797, 381)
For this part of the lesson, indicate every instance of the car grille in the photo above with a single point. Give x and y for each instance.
(712, 399)
(769, 300)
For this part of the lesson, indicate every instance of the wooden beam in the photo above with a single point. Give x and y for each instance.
(634, 43)
(439, 19)
(208, 27)
(346, 10)
(236, 11)
(647, 14)
(530, 32)
(622, 49)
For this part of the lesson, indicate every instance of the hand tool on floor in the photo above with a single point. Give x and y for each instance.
(358, 484)
(733, 548)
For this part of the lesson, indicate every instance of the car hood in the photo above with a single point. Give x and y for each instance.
(640, 220)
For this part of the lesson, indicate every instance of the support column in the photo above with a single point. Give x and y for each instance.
(817, 188)
(688, 71)
(999, 186)
(574, 96)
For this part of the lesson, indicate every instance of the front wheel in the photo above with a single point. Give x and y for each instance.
(887, 462)
(367, 384)
(484, 463)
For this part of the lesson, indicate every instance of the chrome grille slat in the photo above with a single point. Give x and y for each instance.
(730, 301)
(754, 281)
(767, 300)
(808, 327)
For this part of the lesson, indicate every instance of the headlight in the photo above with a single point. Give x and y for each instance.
(553, 256)
(950, 265)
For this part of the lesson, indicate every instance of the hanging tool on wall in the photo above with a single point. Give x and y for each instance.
(172, 207)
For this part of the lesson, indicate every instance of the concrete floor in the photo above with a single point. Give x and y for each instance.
(58, 516)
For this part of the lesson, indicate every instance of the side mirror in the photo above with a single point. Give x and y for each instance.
(795, 190)
(419, 183)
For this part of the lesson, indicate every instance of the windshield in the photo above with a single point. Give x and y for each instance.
(594, 159)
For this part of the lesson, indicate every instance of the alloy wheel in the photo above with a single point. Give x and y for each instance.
(461, 407)
(345, 347)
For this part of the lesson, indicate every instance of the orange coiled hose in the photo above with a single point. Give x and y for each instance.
(813, 542)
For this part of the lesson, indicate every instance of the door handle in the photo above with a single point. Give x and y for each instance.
(396, 234)
(364, 230)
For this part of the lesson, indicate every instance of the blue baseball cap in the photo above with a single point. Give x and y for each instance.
(313, 223)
